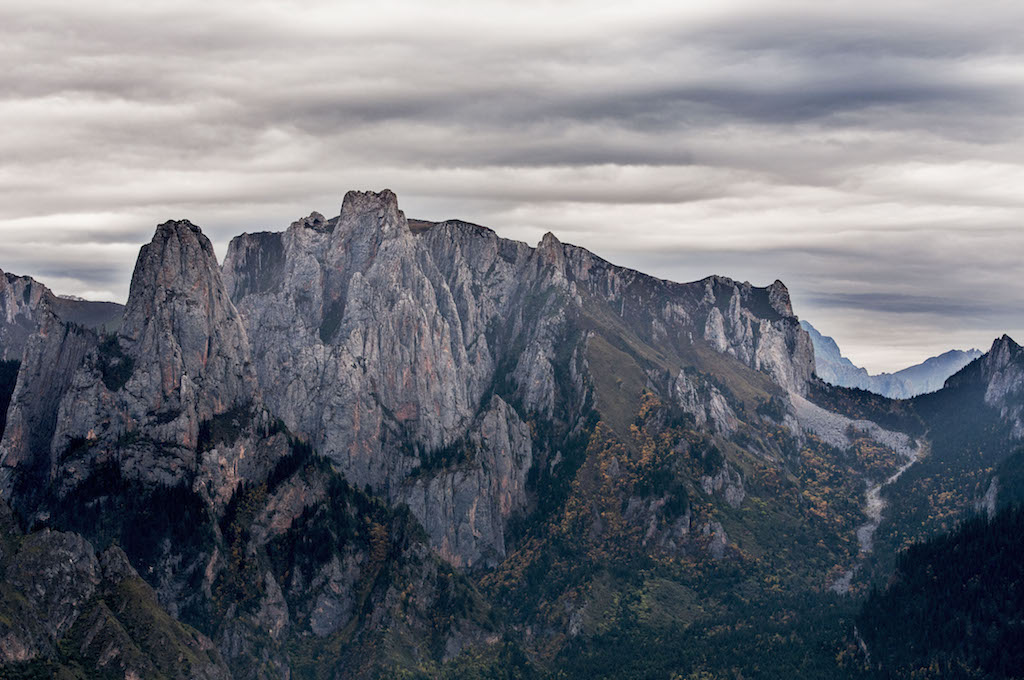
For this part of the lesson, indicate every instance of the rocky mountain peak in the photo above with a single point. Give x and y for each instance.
(154, 399)
(778, 298)
(1004, 355)
(377, 211)
(180, 325)
(1001, 372)
(550, 251)
(1004, 349)
(315, 221)
(177, 248)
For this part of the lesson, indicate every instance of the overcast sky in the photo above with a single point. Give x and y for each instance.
(871, 156)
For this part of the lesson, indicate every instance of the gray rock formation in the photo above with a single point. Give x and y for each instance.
(727, 482)
(757, 326)
(25, 303)
(51, 358)
(484, 490)
(142, 399)
(59, 597)
(1002, 367)
(705, 403)
(362, 335)
(928, 376)
(381, 347)
(20, 300)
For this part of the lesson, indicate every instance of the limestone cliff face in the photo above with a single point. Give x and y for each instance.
(1003, 369)
(757, 326)
(25, 303)
(381, 358)
(381, 346)
(476, 496)
(20, 300)
(141, 398)
(50, 361)
(188, 344)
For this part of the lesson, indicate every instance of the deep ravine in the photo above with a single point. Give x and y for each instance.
(874, 505)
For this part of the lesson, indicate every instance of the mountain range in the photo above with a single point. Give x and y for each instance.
(927, 376)
(367, 446)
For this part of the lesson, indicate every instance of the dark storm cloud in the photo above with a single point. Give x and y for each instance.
(870, 156)
(893, 303)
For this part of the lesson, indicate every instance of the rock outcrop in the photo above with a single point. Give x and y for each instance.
(25, 304)
(20, 301)
(51, 359)
(483, 490)
(171, 398)
(380, 346)
(1003, 369)
(757, 326)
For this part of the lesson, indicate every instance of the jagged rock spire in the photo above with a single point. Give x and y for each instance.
(181, 328)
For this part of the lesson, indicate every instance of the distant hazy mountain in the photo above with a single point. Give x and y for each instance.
(928, 376)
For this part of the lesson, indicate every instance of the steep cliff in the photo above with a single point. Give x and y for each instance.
(1003, 369)
(24, 304)
(381, 346)
(50, 360)
(20, 299)
(144, 397)
(156, 438)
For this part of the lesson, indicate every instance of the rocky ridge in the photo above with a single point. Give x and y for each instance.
(382, 347)
(24, 304)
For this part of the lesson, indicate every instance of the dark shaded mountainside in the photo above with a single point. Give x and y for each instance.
(928, 376)
(953, 606)
(369, 446)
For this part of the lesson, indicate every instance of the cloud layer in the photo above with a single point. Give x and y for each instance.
(872, 157)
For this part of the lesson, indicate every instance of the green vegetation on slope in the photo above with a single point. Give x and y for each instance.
(626, 571)
(954, 606)
(967, 440)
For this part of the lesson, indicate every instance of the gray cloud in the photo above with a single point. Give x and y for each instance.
(871, 157)
(894, 303)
